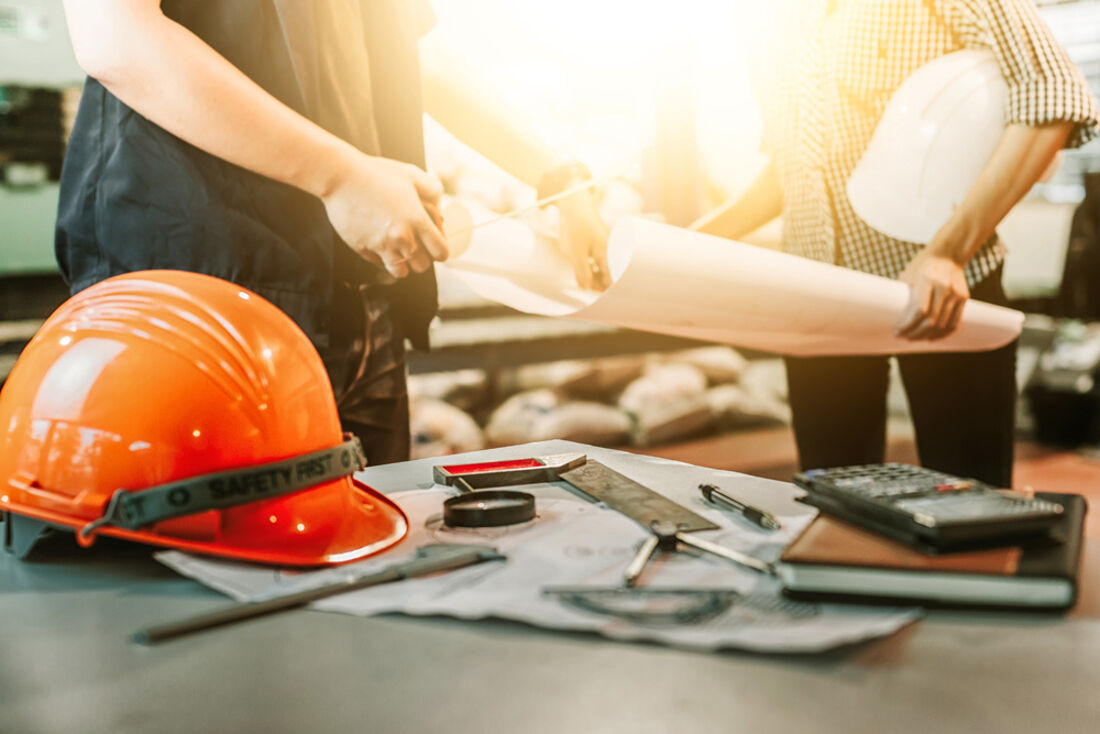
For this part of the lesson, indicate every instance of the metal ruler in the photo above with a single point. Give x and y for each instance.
(597, 481)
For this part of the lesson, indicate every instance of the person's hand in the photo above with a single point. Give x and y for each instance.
(937, 294)
(387, 212)
(583, 239)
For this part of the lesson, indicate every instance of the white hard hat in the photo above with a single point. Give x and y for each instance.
(935, 137)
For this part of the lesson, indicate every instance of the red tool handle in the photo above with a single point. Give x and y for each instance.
(509, 471)
(492, 466)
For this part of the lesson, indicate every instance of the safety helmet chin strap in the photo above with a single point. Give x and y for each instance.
(221, 490)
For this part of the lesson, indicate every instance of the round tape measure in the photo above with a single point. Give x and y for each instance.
(488, 508)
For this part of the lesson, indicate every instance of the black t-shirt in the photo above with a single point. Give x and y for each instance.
(135, 197)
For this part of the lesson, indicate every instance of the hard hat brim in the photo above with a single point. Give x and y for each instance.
(374, 525)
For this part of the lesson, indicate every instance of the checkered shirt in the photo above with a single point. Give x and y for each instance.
(842, 61)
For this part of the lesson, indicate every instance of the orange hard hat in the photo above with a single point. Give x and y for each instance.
(181, 410)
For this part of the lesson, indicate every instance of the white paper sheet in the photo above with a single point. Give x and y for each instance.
(673, 281)
(574, 543)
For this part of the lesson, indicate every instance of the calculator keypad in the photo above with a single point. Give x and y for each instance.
(922, 497)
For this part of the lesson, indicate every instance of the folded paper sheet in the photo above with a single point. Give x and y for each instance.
(674, 281)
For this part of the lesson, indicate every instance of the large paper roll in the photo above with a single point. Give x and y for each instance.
(674, 281)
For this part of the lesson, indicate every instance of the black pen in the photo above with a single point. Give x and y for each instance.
(754, 515)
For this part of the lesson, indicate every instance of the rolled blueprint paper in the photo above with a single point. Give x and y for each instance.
(674, 281)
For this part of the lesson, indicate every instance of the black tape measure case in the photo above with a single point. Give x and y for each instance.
(488, 508)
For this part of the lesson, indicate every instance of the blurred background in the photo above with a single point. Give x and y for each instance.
(678, 116)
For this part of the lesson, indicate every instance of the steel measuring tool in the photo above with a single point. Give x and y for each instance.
(669, 521)
(599, 482)
(428, 559)
(667, 538)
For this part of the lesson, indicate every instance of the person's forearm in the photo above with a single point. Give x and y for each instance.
(758, 205)
(171, 77)
(458, 98)
(1022, 155)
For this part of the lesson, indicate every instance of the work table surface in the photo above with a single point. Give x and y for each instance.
(66, 662)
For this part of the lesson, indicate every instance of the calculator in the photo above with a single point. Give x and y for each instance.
(923, 506)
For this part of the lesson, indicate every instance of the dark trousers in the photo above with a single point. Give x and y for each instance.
(962, 404)
(365, 360)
